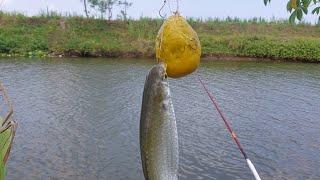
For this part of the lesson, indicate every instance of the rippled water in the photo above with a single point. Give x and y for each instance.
(79, 119)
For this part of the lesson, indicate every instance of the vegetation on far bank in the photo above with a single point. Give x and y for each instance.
(56, 35)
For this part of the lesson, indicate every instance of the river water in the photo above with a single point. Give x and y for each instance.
(79, 119)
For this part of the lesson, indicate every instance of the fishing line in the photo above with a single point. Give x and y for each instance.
(169, 5)
(177, 7)
(233, 134)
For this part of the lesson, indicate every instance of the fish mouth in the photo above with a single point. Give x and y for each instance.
(164, 76)
(158, 74)
(163, 71)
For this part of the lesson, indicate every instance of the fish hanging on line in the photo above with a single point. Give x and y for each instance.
(158, 128)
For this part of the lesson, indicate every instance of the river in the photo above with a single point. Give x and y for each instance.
(79, 119)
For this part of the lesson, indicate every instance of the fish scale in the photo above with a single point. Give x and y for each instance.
(158, 128)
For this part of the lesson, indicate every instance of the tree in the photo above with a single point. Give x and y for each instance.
(85, 8)
(126, 6)
(298, 8)
(103, 6)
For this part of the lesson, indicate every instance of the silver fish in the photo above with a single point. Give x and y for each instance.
(158, 128)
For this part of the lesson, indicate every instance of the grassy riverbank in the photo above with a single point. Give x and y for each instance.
(77, 36)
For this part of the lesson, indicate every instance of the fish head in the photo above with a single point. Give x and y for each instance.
(158, 73)
(157, 79)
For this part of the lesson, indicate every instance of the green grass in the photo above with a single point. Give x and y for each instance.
(68, 35)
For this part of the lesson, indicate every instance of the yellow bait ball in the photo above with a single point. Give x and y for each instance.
(178, 45)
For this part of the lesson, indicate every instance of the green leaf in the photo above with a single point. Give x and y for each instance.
(289, 8)
(305, 10)
(306, 3)
(293, 16)
(299, 14)
(298, 2)
(316, 10)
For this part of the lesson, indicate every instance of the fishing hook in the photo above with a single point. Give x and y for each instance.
(164, 3)
(177, 7)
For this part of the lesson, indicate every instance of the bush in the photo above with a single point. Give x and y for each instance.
(7, 45)
(54, 33)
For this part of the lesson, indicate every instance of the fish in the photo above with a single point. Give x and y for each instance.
(158, 128)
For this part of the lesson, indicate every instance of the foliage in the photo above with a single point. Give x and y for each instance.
(56, 35)
(103, 6)
(107, 7)
(298, 8)
(126, 5)
(264, 47)
(85, 8)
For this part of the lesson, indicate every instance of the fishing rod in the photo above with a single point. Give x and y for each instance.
(233, 134)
